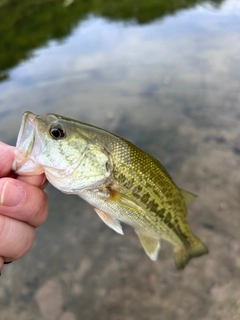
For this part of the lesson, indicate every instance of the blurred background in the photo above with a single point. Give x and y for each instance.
(166, 76)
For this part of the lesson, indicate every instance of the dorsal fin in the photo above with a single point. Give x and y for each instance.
(188, 196)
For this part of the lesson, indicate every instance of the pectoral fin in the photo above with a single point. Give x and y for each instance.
(111, 222)
(150, 244)
(124, 201)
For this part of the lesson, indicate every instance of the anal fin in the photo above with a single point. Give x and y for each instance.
(151, 245)
(110, 221)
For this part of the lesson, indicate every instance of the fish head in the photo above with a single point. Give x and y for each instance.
(63, 149)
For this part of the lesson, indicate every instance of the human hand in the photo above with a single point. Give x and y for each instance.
(23, 207)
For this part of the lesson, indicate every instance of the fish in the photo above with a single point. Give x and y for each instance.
(123, 183)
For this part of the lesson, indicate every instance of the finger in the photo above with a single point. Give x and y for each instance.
(36, 180)
(6, 158)
(16, 238)
(23, 201)
(1, 263)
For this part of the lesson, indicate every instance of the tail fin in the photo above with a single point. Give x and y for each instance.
(184, 254)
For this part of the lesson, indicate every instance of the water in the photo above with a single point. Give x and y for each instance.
(164, 75)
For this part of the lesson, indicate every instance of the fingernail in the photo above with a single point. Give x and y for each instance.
(12, 195)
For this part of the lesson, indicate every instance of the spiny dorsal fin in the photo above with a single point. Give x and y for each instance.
(188, 196)
(150, 244)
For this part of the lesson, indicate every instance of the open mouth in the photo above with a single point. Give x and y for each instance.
(25, 142)
(26, 129)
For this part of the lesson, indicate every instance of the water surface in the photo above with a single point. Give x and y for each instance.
(165, 76)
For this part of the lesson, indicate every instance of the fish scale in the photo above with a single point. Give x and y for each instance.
(122, 182)
(140, 162)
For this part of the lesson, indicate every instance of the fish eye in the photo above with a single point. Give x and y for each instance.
(57, 132)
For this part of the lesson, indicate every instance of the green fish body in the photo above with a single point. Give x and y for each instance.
(122, 182)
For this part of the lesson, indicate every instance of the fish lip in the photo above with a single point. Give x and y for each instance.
(28, 117)
(25, 141)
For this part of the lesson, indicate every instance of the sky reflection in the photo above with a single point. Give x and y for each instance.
(115, 67)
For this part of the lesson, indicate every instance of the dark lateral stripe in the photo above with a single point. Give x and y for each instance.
(145, 197)
(129, 184)
(136, 191)
(181, 235)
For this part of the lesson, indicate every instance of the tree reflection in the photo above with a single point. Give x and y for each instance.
(27, 25)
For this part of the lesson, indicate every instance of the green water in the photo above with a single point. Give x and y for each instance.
(165, 75)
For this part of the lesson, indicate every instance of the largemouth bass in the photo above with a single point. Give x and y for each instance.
(122, 182)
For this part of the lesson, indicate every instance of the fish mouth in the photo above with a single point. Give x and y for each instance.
(27, 127)
(24, 161)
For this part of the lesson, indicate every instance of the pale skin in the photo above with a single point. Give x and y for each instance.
(23, 207)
